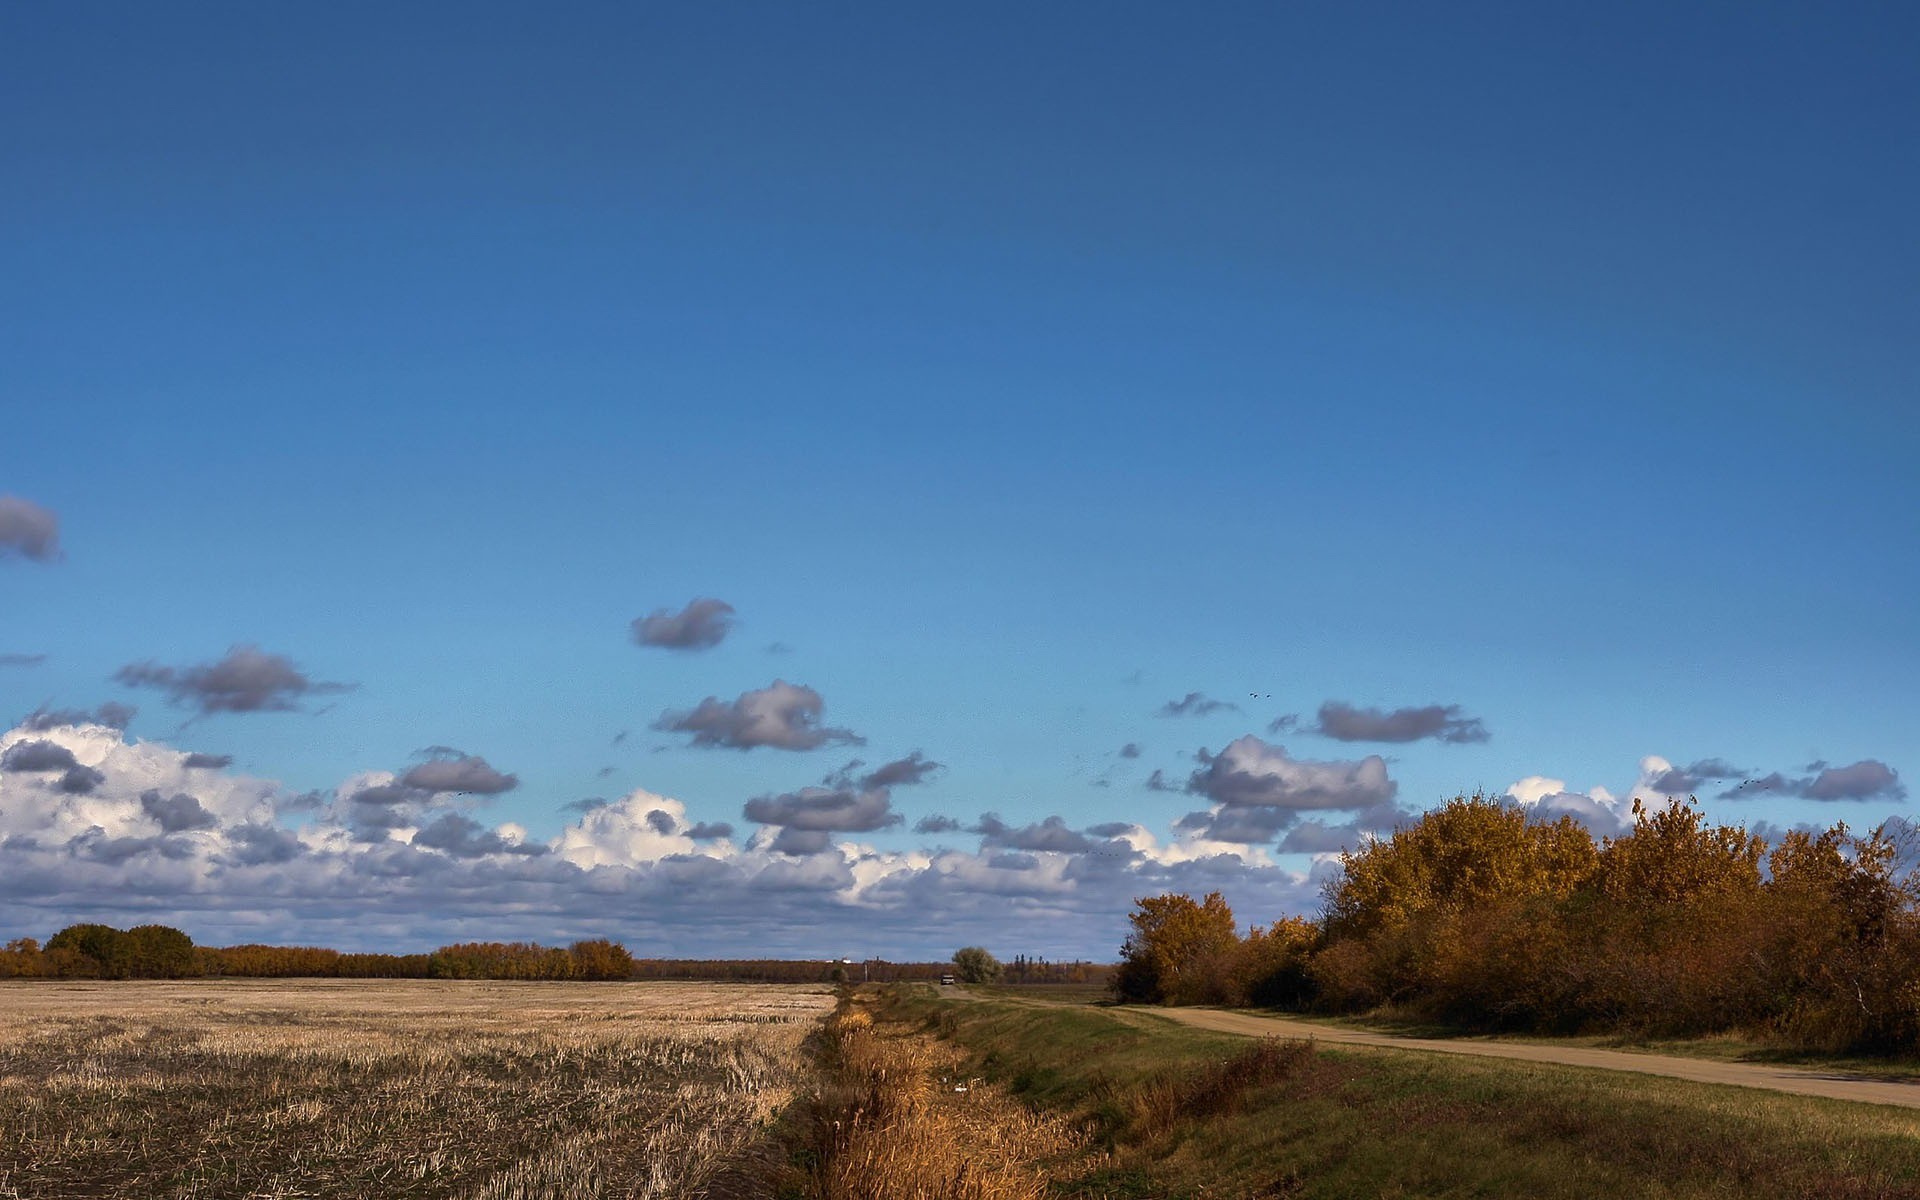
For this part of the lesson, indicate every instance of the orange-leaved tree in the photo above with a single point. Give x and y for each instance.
(1180, 951)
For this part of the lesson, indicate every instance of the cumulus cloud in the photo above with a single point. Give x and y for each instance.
(785, 716)
(1260, 792)
(703, 624)
(1441, 722)
(1194, 704)
(247, 680)
(452, 771)
(1548, 799)
(28, 531)
(1248, 771)
(231, 857)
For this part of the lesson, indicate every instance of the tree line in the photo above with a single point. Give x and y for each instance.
(1478, 916)
(94, 951)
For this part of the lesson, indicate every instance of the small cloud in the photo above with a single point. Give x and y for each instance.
(1685, 781)
(385, 794)
(706, 831)
(197, 761)
(1284, 724)
(703, 624)
(179, 813)
(464, 837)
(1248, 771)
(1441, 722)
(1244, 825)
(1158, 782)
(247, 680)
(1864, 780)
(1194, 704)
(1051, 835)
(936, 824)
(1130, 750)
(112, 714)
(22, 660)
(785, 716)
(80, 780)
(801, 842)
(778, 648)
(836, 809)
(1868, 779)
(468, 773)
(27, 530)
(590, 804)
(901, 772)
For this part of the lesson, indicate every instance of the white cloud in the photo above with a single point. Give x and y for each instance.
(375, 864)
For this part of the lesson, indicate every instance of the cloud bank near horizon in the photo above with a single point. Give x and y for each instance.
(391, 860)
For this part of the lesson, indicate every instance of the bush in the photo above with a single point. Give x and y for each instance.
(974, 965)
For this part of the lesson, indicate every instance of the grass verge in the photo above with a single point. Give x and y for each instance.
(1181, 1112)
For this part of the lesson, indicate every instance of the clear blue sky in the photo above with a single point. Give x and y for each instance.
(1015, 372)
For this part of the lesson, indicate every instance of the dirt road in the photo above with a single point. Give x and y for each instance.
(1834, 1085)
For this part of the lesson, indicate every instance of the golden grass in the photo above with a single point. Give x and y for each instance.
(488, 1091)
(901, 1120)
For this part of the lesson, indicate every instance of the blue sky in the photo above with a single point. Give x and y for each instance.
(1015, 373)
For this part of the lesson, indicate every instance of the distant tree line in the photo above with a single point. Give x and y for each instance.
(161, 952)
(1479, 916)
(1021, 969)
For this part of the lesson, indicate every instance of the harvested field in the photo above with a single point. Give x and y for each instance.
(489, 1091)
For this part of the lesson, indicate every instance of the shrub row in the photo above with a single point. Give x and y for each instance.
(1478, 916)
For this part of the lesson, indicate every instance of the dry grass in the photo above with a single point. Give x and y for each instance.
(901, 1120)
(488, 1091)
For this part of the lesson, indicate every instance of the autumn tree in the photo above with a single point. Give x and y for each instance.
(1269, 967)
(1179, 952)
(1449, 910)
(99, 951)
(601, 959)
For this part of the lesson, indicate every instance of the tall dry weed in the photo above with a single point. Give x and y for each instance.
(899, 1120)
